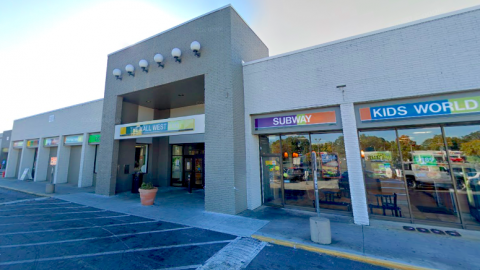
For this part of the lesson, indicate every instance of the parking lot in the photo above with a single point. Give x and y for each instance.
(55, 234)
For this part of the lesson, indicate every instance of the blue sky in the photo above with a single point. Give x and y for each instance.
(53, 53)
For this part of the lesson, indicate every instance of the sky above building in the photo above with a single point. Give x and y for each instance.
(53, 53)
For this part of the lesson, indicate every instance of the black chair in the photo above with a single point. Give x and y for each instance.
(330, 199)
(387, 202)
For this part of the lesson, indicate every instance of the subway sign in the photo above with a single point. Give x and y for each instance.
(422, 109)
(317, 118)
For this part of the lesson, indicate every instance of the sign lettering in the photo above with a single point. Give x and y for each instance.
(421, 109)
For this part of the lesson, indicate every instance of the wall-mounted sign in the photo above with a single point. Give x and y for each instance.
(53, 161)
(74, 139)
(316, 118)
(48, 142)
(161, 127)
(32, 143)
(5, 150)
(94, 138)
(18, 144)
(422, 109)
(193, 124)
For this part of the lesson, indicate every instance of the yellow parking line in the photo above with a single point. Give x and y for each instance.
(350, 256)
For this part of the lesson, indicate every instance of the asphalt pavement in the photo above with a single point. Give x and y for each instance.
(7, 195)
(49, 233)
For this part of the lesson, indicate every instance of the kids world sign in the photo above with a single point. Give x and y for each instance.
(296, 120)
(422, 109)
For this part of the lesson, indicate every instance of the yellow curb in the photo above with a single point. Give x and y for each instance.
(353, 257)
(28, 192)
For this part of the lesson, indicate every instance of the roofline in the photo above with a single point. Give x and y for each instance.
(92, 101)
(433, 18)
(170, 29)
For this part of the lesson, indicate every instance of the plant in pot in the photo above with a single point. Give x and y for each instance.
(147, 193)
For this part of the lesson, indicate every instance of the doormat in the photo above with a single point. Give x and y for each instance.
(423, 230)
(453, 233)
(435, 231)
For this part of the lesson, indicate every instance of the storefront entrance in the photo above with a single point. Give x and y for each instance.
(188, 165)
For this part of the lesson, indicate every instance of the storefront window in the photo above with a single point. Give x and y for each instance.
(426, 167)
(384, 182)
(463, 143)
(297, 173)
(332, 173)
(177, 165)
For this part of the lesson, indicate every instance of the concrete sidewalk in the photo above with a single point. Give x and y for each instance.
(383, 240)
(174, 205)
(38, 188)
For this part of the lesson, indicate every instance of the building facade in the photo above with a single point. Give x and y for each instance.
(190, 111)
(391, 115)
(58, 146)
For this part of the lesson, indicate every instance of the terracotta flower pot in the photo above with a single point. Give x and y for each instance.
(147, 196)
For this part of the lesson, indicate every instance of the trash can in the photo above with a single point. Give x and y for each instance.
(137, 181)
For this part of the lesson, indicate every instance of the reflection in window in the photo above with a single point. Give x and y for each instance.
(332, 173)
(141, 156)
(463, 144)
(431, 192)
(297, 174)
(382, 169)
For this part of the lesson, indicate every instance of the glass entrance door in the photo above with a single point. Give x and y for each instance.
(194, 172)
(463, 144)
(426, 167)
(272, 180)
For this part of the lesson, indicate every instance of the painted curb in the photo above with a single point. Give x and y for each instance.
(340, 254)
(28, 192)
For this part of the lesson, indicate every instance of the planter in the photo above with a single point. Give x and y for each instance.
(147, 196)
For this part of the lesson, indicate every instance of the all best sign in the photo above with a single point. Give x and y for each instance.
(422, 109)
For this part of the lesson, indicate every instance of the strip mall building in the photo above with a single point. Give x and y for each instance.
(392, 114)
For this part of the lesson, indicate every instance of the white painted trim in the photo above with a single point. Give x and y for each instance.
(433, 18)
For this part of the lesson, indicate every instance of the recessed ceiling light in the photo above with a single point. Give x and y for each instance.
(181, 95)
(148, 101)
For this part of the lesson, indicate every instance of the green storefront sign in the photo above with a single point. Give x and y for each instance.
(94, 138)
(428, 160)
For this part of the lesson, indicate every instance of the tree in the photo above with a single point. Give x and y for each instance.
(471, 148)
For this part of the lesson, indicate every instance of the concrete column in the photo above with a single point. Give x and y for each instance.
(354, 163)
(11, 161)
(26, 160)
(41, 169)
(108, 148)
(63, 159)
(87, 160)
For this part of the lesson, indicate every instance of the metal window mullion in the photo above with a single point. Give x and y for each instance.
(407, 191)
(281, 171)
(452, 177)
